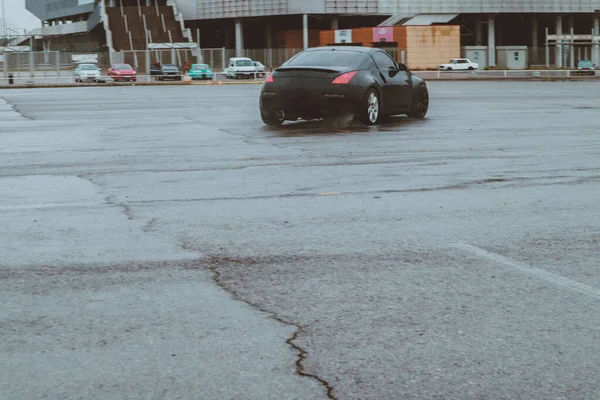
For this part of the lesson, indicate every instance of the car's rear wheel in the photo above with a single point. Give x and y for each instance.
(272, 117)
(371, 108)
(420, 103)
(471, 68)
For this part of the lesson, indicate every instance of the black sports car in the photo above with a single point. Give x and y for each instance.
(329, 81)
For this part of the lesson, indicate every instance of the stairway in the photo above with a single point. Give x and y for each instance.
(131, 19)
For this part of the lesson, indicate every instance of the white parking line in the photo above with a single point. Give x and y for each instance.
(535, 272)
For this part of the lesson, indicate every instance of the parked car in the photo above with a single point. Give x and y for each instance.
(240, 67)
(200, 71)
(325, 82)
(459, 64)
(122, 72)
(259, 69)
(166, 71)
(87, 72)
(585, 67)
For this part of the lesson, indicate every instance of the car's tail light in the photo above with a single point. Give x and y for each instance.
(269, 79)
(344, 78)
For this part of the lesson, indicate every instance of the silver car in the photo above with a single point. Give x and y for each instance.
(87, 72)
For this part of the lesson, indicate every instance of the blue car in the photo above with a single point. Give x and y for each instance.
(200, 71)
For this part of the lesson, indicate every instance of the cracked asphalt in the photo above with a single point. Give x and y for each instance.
(161, 243)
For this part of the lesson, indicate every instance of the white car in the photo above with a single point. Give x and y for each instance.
(459, 64)
(260, 69)
(240, 67)
(87, 72)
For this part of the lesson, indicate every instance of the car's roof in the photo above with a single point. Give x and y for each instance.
(358, 49)
(241, 58)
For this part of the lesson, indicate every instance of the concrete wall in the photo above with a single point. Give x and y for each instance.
(364, 37)
(429, 46)
(54, 9)
(486, 6)
(426, 46)
(295, 39)
(207, 9)
(189, 8)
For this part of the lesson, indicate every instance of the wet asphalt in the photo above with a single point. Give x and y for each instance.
(161, 243)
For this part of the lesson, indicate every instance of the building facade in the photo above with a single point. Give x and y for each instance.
(48, 10)
(256, 24)
(211, 9)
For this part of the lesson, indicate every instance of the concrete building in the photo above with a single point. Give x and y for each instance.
(256, 24)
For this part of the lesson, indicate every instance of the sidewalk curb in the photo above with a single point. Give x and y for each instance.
(112, 84)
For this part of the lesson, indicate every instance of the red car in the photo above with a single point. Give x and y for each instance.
(122, 72)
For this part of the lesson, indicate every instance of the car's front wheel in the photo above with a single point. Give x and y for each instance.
(371, 108)
(420, 103)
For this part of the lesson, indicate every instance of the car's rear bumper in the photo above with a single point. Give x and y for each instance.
(332, 101)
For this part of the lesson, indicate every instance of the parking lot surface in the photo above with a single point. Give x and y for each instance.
(161, 243)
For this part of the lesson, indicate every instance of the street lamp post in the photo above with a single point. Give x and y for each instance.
(3, 21)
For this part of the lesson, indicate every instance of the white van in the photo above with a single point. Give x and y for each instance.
(240, 67)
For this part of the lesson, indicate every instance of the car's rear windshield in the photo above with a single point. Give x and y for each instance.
(200, 66)
(585, 64)
(337, 58)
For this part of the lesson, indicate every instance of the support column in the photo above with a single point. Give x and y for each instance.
(596, 50)
(269, 34)
(534, 42)
(334, 23)
(491, 41)
(148, 3)
(572, 50)
(239, 38)
(478, 32)
(559, 50)
(571, 45)
(305, 30)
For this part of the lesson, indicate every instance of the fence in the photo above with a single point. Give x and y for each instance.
(499, 74)
(57, 67)
(216, 59)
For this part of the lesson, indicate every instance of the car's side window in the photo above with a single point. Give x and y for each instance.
(383, 61)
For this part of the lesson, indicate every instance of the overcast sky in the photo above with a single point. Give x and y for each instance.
(16, 14)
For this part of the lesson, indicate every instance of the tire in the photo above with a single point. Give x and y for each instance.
(449, 69)
(471, 68)
(420, 103)
(370, 111)
(271, 117)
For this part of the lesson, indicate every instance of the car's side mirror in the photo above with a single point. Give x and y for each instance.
(392, 71)
(402, 67)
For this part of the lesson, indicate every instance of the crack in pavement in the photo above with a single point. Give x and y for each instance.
(16, 109)
(112, 201)
(213, 266)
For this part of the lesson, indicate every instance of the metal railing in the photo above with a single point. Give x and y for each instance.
(67, 78)
(55, 67)
(500, 74)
